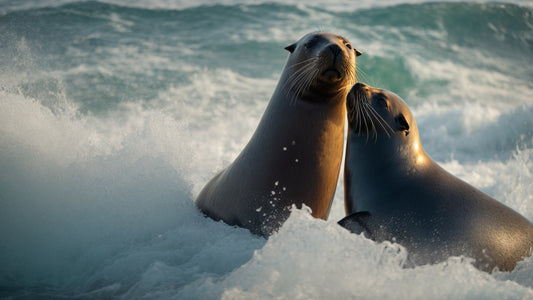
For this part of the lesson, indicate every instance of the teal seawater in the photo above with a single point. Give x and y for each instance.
(88, 33)
(113, 117)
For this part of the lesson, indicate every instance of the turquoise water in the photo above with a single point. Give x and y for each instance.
(113, 115)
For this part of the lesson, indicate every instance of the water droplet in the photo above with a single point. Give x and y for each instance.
(276, 183)
(284, 148)
(273, 192)
(259, 209)
(293, 143)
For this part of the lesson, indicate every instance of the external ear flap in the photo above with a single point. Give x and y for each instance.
(403, 124)
(291, 48)
(357, 52)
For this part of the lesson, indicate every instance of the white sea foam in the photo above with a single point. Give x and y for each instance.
(108, 201)
(338, 263)
(80, 188)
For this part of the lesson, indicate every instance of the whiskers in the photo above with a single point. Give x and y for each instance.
(361, 75)
(363, 118)
(351, 75)
(301, 79)
(306, 74)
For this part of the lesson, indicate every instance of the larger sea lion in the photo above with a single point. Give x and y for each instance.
(295, 154)
(394, 191)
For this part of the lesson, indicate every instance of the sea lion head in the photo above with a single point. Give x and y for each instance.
(381, 124)
(320, 64)
(379, 113)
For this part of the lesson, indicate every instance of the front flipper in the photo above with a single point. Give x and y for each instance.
(357, 223)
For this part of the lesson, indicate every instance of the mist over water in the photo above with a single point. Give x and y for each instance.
(113, 115)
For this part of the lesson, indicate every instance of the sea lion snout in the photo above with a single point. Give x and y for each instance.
(358, 92)
(359, 86)
(335, 49)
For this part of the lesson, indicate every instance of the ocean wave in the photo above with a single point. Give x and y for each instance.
(337, 6)
(114, 115)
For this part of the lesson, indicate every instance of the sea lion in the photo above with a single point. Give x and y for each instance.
(294, 156)
(394, 191)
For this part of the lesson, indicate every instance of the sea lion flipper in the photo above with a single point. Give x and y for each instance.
(357, 223)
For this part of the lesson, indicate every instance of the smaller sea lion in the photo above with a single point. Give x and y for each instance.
(394, 191)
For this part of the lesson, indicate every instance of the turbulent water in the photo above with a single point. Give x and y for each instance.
(113, 115)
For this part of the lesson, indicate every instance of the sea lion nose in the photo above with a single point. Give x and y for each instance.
(335, 49)
(359, 86)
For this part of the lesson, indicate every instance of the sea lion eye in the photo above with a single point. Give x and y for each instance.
(403, 125)
(312, 42)
(383, 103)
(349, 46)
